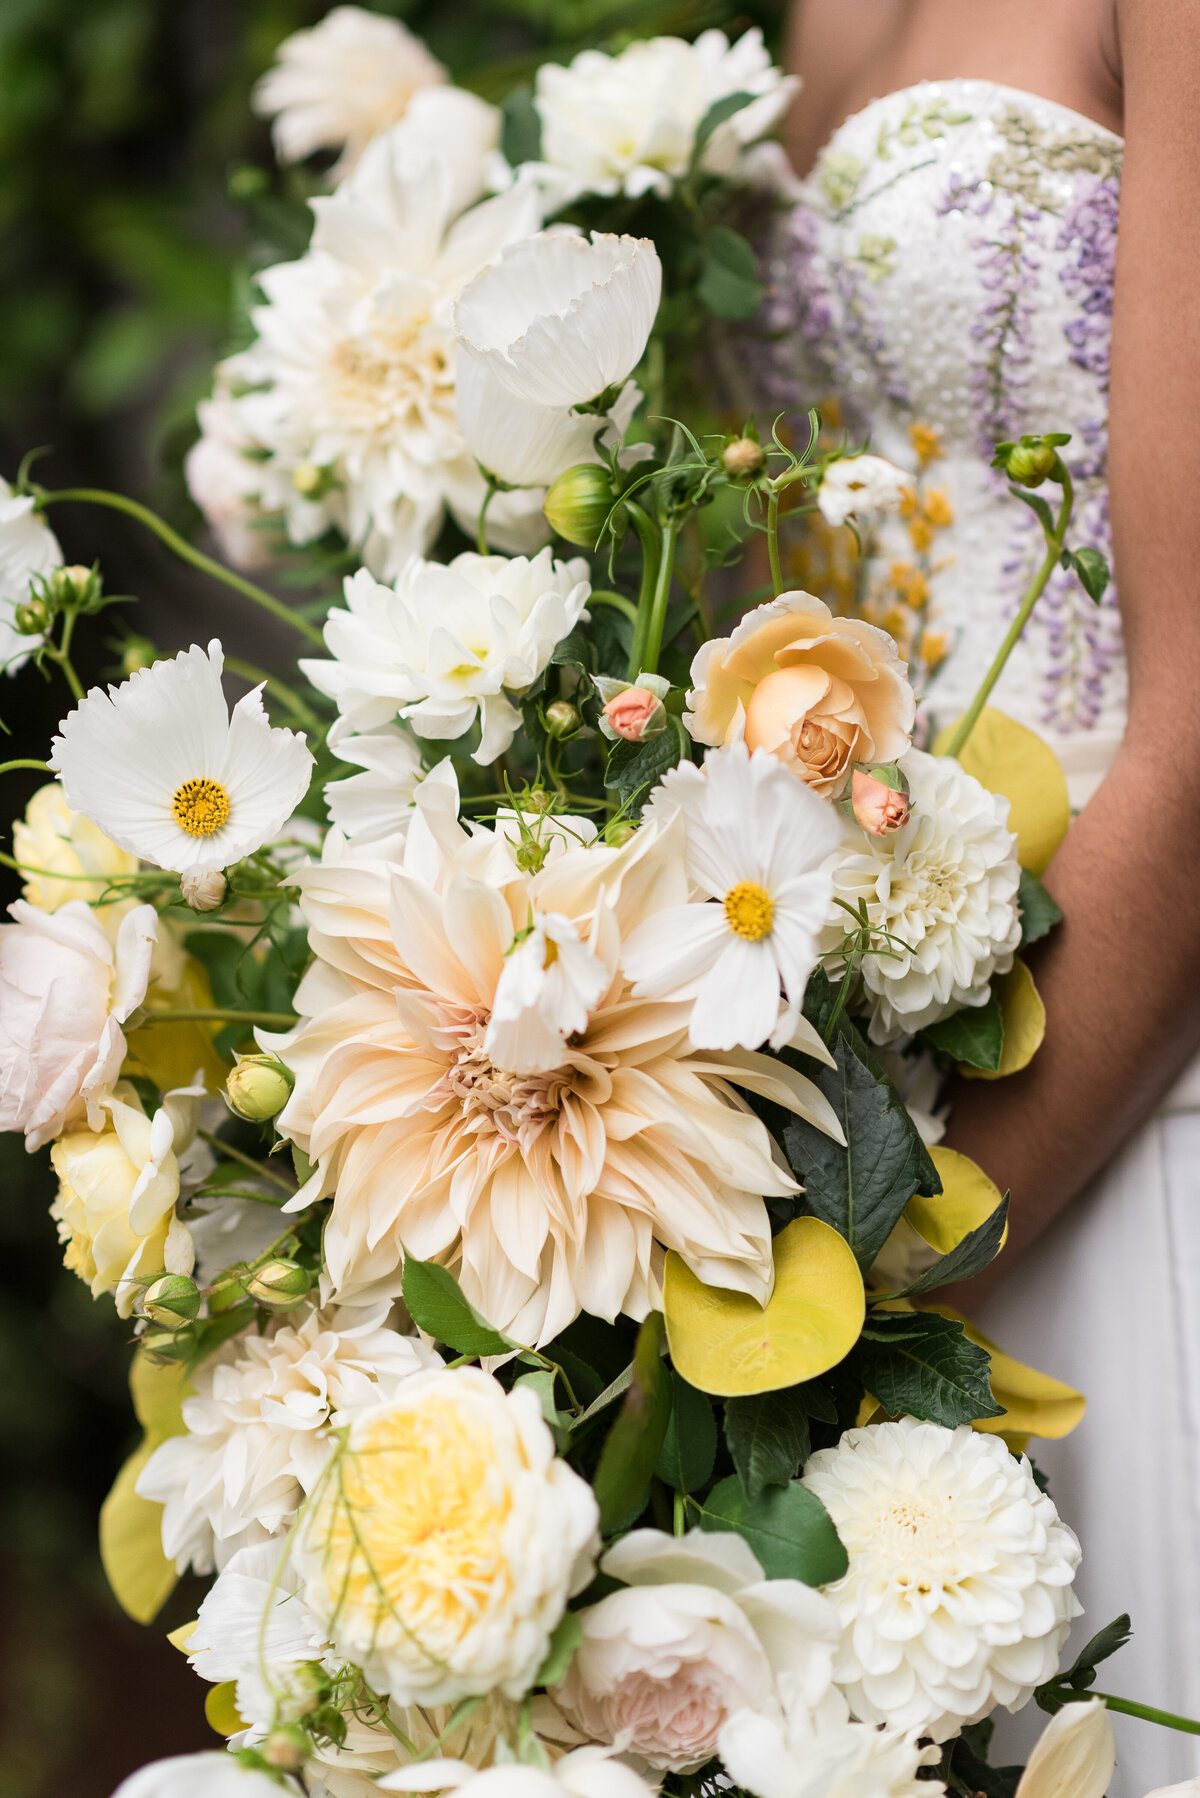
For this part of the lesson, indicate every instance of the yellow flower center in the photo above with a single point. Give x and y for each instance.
(200, 806)
(749, 911)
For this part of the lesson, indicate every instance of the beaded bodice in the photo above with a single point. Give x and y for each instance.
(945, 281)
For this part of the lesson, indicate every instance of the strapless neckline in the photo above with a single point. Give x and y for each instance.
(967, 84)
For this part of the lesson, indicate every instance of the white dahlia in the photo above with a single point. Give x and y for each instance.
(958, 1595)
(449, 643)
(257, 1427)
(28, 548)
(944, 887)
(796, 1755)
(339, 84)
(441, 1550)
(546, 1193)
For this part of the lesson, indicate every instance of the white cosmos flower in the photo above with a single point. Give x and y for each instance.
(796, 1755)
(958, 1594)
(28, 548)
(1075, 1756)
(166, 772)
(258, 1423)
(628, 123)
(558, 318)
(449, 643)
(944, 886)
(253, 1628)
(696, 1633)
(213, 1774)
(531, 445)
(340, 84)
(756, 842)
(550, 984)
(855, 486)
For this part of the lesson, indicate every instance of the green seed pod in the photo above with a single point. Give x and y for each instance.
(172, 1301)
(578, 503)
(280, 1284)
(259, 1087)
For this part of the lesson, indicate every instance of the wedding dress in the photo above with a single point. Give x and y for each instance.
(945, 280)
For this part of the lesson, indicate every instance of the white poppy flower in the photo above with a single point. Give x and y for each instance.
(163, 769)
(449, 643)
(756, 842)
(340, 84)
(28, 547)
(559, 318)
(774, 1754)
(854, 486)
(550, 984)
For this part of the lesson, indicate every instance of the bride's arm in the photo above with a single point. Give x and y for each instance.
(1121, 977)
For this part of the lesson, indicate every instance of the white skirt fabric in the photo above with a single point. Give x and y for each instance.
(1110, 1300)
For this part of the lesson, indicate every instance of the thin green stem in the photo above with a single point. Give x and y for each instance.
(839, 1002)
(660, 600)
(603, 596)
(481, 542)
(24, 762)
(232, 1154)
(268, 1020)
(1054, 548)
(680, 1518)
(650, 537)
(1147, 1712)
(773, 540)
(95, 496)
(62, 655)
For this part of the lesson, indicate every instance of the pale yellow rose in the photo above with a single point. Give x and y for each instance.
(57, 847)
(819, 692)
(118, 1186)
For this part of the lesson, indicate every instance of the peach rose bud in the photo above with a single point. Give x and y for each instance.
(879, 806)
(632, 709)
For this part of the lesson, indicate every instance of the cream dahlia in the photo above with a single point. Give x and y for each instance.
(958, 1595)
(257, 1427)
(441, 1549)
(945, 889)
(547, 1193)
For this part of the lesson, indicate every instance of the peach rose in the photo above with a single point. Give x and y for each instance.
(631, 711)
(878, 808)
(819, 692)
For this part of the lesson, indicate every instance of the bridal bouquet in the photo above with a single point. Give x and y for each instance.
(493, 1068)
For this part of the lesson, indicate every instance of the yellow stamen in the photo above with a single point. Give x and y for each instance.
(749, 911)
(200, 806)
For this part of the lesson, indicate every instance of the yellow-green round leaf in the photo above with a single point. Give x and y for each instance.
(158, 1389)
(131, 1550)
(1008, 758)
(1024, 1018)
(967, 1199)
(1035, 1404)
(220, 1707)
(728, 1344)
(179, 1638)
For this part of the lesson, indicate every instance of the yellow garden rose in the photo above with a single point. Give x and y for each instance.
(56, 847)
(819, 692)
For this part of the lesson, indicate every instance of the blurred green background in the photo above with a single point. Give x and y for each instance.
(137, 197)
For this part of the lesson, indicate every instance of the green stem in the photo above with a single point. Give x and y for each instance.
(650, 538)
(24, 762)
(273, 684)
(95, 496)
(773, 540)
(1127, 1708)
(1054, 548)
(603, 596)
(269, 1020)
(232, 1154)
(661, 597)
(481, 542)
(680, 1518)
(62, 655)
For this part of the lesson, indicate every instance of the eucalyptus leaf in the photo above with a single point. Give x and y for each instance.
(1039, 912)
(690, 1446)
(974, 1035)
(787, 1527)
(634, 1443)
(437, 1305)
(768, 1439)
(918, 1364)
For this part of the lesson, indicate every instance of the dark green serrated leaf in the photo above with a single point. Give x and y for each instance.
(521, 127)
(1039, 913)
(574, 651)
(729, 282)
(788, 1528)
(974, 1035)
(920, 1365)
(437, 1305)
(690, 1446)
(718, 112)
(975, 1252)
(1092, 568)
(768, 1439)
(635, 767)
(634, 1443)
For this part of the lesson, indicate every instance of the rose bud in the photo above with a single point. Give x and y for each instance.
(742, 457)
(287, 1748)
(879, 798)
(578, 503)
(632, 710)
(562, 719)
(203, 892)
(172, 1301)
(280, 1284)
(259, 1087)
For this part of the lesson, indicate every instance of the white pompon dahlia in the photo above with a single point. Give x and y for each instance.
(756, 844)
(449, 643)
(28, 548)
(211, 1774)
(944, 886)
(162, 768)
(340, 84)
(257, 1434)
(584, 1773)
(778, 1755)
(958, 1596)
(440, 1554)
(856, 486)
(547, 1193)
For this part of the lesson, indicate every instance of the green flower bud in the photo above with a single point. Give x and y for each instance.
(161, 1345)
(287, 1747)
(618, 834)
(248, 182)
(578, 503)
(308, 1687)
(259, 1087)
(310, 481)
(33, 618)
(280, 1284)
(138, 653)
(562, 718)
(74, 585)
(1028, 464)
(743, 457)
(172, 1301)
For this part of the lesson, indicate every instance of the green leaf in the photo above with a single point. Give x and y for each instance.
(574, 651)
(1037, 504)
(788, 1528)
(974, 1035)
(690, 1445)
(975, 1252)
(817, 1401)
(768, 1439)
(1039, 913)
(436, 1304)
(542, 1383)
(1092, 568)
(633, 767)
(861, 1189)
(634, 1443)
(918, 1364)
(1081, 1676)
(521, 127)
(563, 1643)
(718, 112)
(729, 282)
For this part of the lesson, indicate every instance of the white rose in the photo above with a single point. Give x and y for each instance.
(856, 485)
(697, 1634)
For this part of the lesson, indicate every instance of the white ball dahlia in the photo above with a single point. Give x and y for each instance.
(958, 1595)
(257, 1434)
(944, 887)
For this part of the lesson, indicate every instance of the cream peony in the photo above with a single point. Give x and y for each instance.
(258, 1426)
(66, 989)
(958, 1596)
(547, 1193)
(696, 1633)
(441, 1550)
(340, 84)
(62, 854)
(212, 1774)
(448, 644)
(28, 549)
(856, 486)
(584, 1773)
(819, 692)
(1075, 1755)
(944, 886)
(774, 1755)
(118, 1187)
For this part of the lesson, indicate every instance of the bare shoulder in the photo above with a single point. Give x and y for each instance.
(833, 47)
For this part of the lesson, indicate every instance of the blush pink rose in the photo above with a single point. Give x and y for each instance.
(878, 808)
(631, 711)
